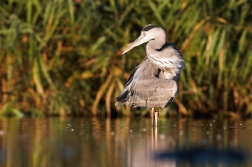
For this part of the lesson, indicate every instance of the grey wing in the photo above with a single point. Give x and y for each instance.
(153, 92)
(147, 87)
(143, 70)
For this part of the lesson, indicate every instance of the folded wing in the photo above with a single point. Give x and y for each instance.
(148, 87)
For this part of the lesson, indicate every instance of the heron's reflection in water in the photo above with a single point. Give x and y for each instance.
(144, 140)
(155, 149)
(154, 138)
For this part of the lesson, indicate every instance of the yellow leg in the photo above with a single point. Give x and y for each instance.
(152, 116)
(156, 116)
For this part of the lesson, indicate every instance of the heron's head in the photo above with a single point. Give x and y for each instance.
(149, 32)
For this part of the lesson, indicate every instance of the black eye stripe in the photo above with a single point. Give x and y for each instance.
(148, 27)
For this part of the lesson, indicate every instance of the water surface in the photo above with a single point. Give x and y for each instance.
(95, 142)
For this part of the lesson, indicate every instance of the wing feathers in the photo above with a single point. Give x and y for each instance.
(147, 86)
(153, 92)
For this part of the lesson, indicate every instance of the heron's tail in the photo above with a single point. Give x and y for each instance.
(119, 103)
(123, 97)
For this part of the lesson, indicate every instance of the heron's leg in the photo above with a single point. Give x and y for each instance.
(152, 116)
(156, 116)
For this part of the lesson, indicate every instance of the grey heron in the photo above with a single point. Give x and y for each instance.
(153, 84)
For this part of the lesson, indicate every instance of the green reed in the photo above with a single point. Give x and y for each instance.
(63, 57)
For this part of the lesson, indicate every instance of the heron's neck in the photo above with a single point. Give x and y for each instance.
(153, 47)
(169, 61)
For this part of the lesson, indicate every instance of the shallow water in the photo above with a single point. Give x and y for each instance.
(95, 142)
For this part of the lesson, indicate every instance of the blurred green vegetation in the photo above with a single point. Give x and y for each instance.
(63, 57)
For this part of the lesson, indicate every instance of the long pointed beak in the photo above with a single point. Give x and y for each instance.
(140, 40)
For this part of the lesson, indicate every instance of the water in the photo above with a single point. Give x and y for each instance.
(123, 142)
